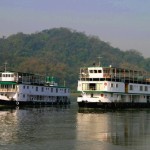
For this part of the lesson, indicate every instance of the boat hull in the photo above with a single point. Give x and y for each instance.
(113, 105)
(31, 103)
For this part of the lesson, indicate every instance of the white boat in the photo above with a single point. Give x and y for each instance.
(17, 88)
(113, 88)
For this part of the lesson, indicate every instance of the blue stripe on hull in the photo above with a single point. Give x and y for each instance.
(116, 105)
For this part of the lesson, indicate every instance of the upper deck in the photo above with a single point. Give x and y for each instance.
(26, 78)
(113, 74)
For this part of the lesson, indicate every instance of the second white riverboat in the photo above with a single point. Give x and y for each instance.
(113, 88)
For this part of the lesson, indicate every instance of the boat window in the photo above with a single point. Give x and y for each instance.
(146, 88)
(141, 88)
(40, 97)
(36, 88)
(99, 71)
(42, 89)
(95, 79)
(95, 71)
(4, 75)
(91, 71)
(116, 85)
(131, 87)
(92, 86)
(148, 98)
(7, 75)
(111, 84)
(6, 86)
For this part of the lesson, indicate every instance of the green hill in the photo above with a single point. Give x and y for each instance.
(60, 52)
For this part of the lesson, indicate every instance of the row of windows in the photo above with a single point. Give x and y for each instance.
(6, 75)
(114, 85)
(95, 71)
(7, 86)
(142, 88)
(46, 88)
(40, 97)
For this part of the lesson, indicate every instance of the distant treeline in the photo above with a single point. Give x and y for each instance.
(60, 52)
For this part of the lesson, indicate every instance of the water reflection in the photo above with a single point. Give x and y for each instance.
(67, 129)
(8, 123)
(36, 128)
(127, 129)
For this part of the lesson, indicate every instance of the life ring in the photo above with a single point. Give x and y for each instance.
(105, 84)
(17, 103)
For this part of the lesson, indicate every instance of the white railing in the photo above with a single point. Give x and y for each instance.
(8, 90)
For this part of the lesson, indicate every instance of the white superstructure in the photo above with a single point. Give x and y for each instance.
(25, 88)
(100, 85)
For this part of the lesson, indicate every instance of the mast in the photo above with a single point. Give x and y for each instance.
(5, 66)
(99, 60)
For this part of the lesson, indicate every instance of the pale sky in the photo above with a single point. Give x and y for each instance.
(123, 23)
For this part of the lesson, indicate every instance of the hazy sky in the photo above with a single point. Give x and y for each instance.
(123, 23)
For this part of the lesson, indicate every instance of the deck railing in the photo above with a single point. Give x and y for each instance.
(8, 90)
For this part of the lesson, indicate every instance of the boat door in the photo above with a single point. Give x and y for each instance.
(126, 88)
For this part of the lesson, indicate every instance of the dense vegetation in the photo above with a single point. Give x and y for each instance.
(60, 52)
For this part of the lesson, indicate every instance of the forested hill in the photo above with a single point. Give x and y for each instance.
(60, 52)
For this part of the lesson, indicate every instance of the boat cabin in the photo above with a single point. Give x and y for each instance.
(7, 76)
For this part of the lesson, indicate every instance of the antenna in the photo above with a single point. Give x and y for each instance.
(5, 65)
(99, 60)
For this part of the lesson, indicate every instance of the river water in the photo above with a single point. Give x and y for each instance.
(51, 128)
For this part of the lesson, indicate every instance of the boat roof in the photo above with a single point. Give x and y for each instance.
(110, 67)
